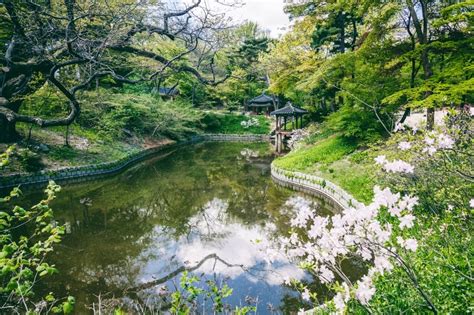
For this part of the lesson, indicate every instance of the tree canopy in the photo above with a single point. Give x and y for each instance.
(72, 44)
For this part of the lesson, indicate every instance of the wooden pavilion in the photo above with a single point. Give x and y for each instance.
(282, 115)
(262, 102)
(292, 112)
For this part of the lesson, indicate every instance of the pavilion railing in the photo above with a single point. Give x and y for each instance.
(315, 184)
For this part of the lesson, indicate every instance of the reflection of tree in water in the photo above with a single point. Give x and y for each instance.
(139, 216)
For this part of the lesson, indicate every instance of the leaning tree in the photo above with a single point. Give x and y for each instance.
(71, 44)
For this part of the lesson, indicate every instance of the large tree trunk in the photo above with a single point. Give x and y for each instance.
(7, 131)
(421, 29)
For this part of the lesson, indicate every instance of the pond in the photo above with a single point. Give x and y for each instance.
(211, 208)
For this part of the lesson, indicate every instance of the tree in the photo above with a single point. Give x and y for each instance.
(242, 48)
(72, 45)
(366, 60)
(440, 47)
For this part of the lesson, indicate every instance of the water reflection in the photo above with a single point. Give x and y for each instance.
(212, 206)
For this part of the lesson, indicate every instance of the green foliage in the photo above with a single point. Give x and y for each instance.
(245, 45)
(443, 261)
(363, 71)
(118, 115)
(232, 124)
(184, 301)
(62, 153)
(355, 122)
(29, 160)
(46, 102)
(5, 157)
(27, 237)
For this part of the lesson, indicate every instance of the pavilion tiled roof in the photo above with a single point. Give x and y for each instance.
(289, 110)
(262, 100)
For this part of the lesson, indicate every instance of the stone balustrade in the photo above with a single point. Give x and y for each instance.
(314, 184)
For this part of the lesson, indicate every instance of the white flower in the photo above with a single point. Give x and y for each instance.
(430, 149)
(429, 141)
(319, 241)
(249, 123)
(471, 203)
(408, 202)
(304, 211)
(339, 302)
(399, 166)
(445, 142)
(365, 290)
(306, 295)
(341, 298)
(381, 159)
(404, 145)
(325, 275)
(385, 197)
(407, 221)
(411, 244)
(382, 264)
(318, 227)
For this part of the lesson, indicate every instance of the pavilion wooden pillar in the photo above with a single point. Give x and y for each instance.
(279, 142)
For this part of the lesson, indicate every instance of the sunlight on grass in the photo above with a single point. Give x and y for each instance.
(324, 152)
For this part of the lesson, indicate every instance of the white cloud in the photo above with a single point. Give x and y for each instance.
(267, 13)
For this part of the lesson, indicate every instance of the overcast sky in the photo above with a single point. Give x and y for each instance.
(267, 13)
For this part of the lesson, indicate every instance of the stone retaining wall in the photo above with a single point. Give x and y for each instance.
(224, 137)
(109, 168)
(314, 185)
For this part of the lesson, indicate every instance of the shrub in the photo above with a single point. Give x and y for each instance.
(235, 124)
(24, 253)
(30, 161)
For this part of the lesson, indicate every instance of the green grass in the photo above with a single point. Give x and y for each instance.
(231, 124)
(356, 178)
(331, 158)
(323, 152)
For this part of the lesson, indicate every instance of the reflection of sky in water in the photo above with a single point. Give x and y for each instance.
(143, 224)
(245, 260)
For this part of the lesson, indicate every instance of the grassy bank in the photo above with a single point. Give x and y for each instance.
(336, 159)
(227, 123)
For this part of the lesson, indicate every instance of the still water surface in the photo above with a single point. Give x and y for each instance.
(211, 205)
